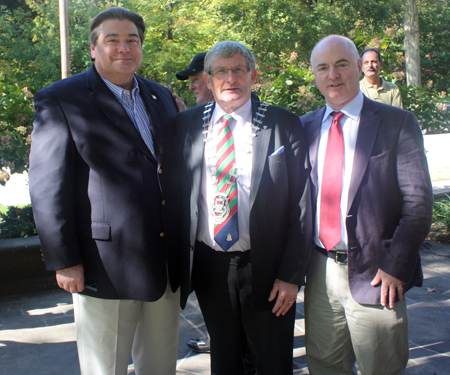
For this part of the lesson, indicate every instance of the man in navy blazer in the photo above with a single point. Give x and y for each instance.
(247, 290)
(102, 202)
(354, 302)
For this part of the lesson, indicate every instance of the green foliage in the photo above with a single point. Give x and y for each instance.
(16, 114)
(291, 88)
(29, 37)
(441, 216)
(17, 221)
(426, 104)
(434, 26)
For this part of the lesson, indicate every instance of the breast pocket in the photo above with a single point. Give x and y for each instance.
(277, 169)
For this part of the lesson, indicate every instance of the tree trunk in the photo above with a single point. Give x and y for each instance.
(64, 38)
(411, 26)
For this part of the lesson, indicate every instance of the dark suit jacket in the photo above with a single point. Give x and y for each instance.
(280, 213)
(99, 196)
(390, 199)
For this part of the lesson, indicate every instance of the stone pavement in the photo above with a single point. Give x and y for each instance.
(37, 334)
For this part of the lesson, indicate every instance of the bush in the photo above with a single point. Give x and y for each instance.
(440, 229)
(291, 88)
(427, 106)
(16, 114)
(17, 221)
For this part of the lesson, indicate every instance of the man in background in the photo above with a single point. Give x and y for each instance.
(194, 73)
(102, 202)
(372, 85)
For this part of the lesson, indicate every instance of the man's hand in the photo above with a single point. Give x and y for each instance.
(71, 279)
(389, 285)
(180, 103)
(287, 295)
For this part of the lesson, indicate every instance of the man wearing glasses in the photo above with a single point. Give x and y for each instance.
(247, 214)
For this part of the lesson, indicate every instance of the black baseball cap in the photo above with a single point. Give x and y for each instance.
(194, 67)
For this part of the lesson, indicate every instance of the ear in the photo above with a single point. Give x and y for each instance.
(206, 79)
(359, 66)
(92, 51)
(253, 75)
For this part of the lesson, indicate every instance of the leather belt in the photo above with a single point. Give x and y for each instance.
(339, 256)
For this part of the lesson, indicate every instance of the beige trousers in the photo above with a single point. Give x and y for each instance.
(109, 332)
(339, 330)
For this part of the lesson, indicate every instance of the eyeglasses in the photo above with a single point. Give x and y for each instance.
(221, 73)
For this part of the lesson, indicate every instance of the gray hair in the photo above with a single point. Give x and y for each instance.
(348, 41)
(115, 13)
(226, 50)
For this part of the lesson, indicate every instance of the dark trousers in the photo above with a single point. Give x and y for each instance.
(223, 284)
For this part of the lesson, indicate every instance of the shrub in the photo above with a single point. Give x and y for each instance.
(16, 114)
(17, 221)
(291, 88)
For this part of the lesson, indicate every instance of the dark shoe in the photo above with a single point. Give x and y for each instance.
(199, 345)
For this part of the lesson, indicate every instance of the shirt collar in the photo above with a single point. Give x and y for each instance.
(351, 109)
(119, 92)
(241, 115)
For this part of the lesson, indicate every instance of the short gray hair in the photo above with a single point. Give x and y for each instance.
(115, 13)
(226, 50)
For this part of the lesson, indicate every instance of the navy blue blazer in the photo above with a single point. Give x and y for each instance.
(390, 199)
(100, 198)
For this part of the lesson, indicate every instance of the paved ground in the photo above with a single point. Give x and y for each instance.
(37, 331)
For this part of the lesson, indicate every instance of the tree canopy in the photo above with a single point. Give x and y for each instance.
(281, 34)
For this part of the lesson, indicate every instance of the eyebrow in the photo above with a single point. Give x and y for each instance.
(115, 34)
(341, 60)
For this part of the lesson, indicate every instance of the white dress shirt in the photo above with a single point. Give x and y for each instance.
(241, 129)
(350, 126)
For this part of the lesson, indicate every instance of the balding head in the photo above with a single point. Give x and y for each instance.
(337, 67)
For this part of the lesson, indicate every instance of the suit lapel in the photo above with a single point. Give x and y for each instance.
(313, 136)
(259, 152)
(152, 104)
(194, 151)
(114, 111)
(367, 133)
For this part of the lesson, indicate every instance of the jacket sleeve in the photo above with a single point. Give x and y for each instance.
(52, 179)
(298, 243)
(417, 203)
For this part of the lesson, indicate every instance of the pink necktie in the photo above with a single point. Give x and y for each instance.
(330, 199)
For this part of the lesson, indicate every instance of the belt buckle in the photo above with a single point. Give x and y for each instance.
(338, 254)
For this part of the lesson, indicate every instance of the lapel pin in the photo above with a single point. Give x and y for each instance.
(154, 97)
(265, 127)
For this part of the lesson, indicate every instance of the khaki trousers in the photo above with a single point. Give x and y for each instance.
(109, 332)
(339, 330)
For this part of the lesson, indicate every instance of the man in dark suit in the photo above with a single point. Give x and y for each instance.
(372, 200)
(102, 202)
(249, 252)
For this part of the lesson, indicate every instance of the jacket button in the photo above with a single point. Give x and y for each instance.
(160, 170)
(163, 202)
(162, 234)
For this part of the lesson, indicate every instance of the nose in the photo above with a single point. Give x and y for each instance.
(230, 77)
(123, 47)
(192, 86)
(333, 73)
